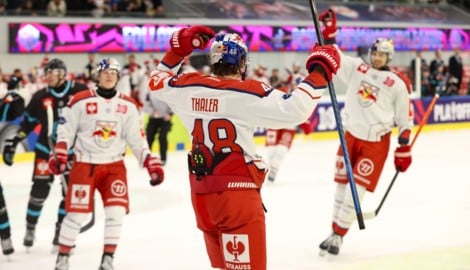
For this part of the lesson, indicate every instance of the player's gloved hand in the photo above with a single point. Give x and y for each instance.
(59, 165)
(402, 158)
(185, 40)
(155, 170)
(10, 149)
(329, 22)
(325, 56)
(306, 127)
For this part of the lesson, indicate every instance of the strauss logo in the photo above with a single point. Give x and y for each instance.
(235, 248)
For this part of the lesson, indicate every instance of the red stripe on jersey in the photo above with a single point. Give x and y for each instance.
(128, 98)
(308, 93)
(194, 79)
(405, 79)
(80, 96)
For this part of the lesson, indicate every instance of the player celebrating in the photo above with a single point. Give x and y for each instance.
(55, 95)
(99, 124)
(221, 111)
(376, 99)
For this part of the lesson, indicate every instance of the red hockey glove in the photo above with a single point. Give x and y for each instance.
(154, 167)
(325, 56)
(402, 158)
(306, 127)
(59, 165)
(185, 40)
(329, 22)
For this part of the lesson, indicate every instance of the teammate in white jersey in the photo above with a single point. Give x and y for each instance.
(221, 112)
(376, 100)
(99, 124)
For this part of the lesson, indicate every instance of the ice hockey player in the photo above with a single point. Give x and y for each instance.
(221, 112)
(56, 95)
(99, 124)
(12, 105)
(376, 99)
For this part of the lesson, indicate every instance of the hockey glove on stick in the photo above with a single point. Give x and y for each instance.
(155, 170)
(328, 18)
(185, 40)
(58, 161)
(325, 56)
(402, 158)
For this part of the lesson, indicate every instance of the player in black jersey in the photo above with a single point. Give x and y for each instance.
(11, 106)
(44, 109)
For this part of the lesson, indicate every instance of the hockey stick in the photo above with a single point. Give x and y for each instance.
(369, 215)
(334, 102)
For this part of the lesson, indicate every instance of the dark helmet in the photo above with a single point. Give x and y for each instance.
(55, 64)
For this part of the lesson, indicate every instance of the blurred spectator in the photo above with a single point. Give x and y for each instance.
(436, 62)
(295, 76)
(424, 66)
(154, 8)
(90, 67)
(14, 6)
(130, 6)
(33, 7)
(259, 74)
(136, 75)
(275, 79)
(455, 69)
(99, 7)
(3, 6)
(438, 80)
(426, 87)
(57, 8)
(15, 79)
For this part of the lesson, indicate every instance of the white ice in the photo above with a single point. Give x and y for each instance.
(424, 224)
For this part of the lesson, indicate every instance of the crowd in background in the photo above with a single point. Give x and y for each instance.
(438, 75)
(97, 8)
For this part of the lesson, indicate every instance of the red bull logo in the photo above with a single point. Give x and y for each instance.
(367, 94)
(105, 133)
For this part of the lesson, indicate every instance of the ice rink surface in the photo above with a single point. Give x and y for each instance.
(423, 225)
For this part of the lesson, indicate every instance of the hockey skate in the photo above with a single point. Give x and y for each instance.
(106, 262)
(62, 262)
(29, 238)
(7, 247)
(332, 244)
(272, 176)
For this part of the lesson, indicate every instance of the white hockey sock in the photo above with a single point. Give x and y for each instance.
(70, 228)
(346, 213)
(277, 156)
(113, 224)
(339, 197)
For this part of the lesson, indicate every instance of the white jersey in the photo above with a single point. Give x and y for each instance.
(100, 129)
(376, 100)
(223, 113)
